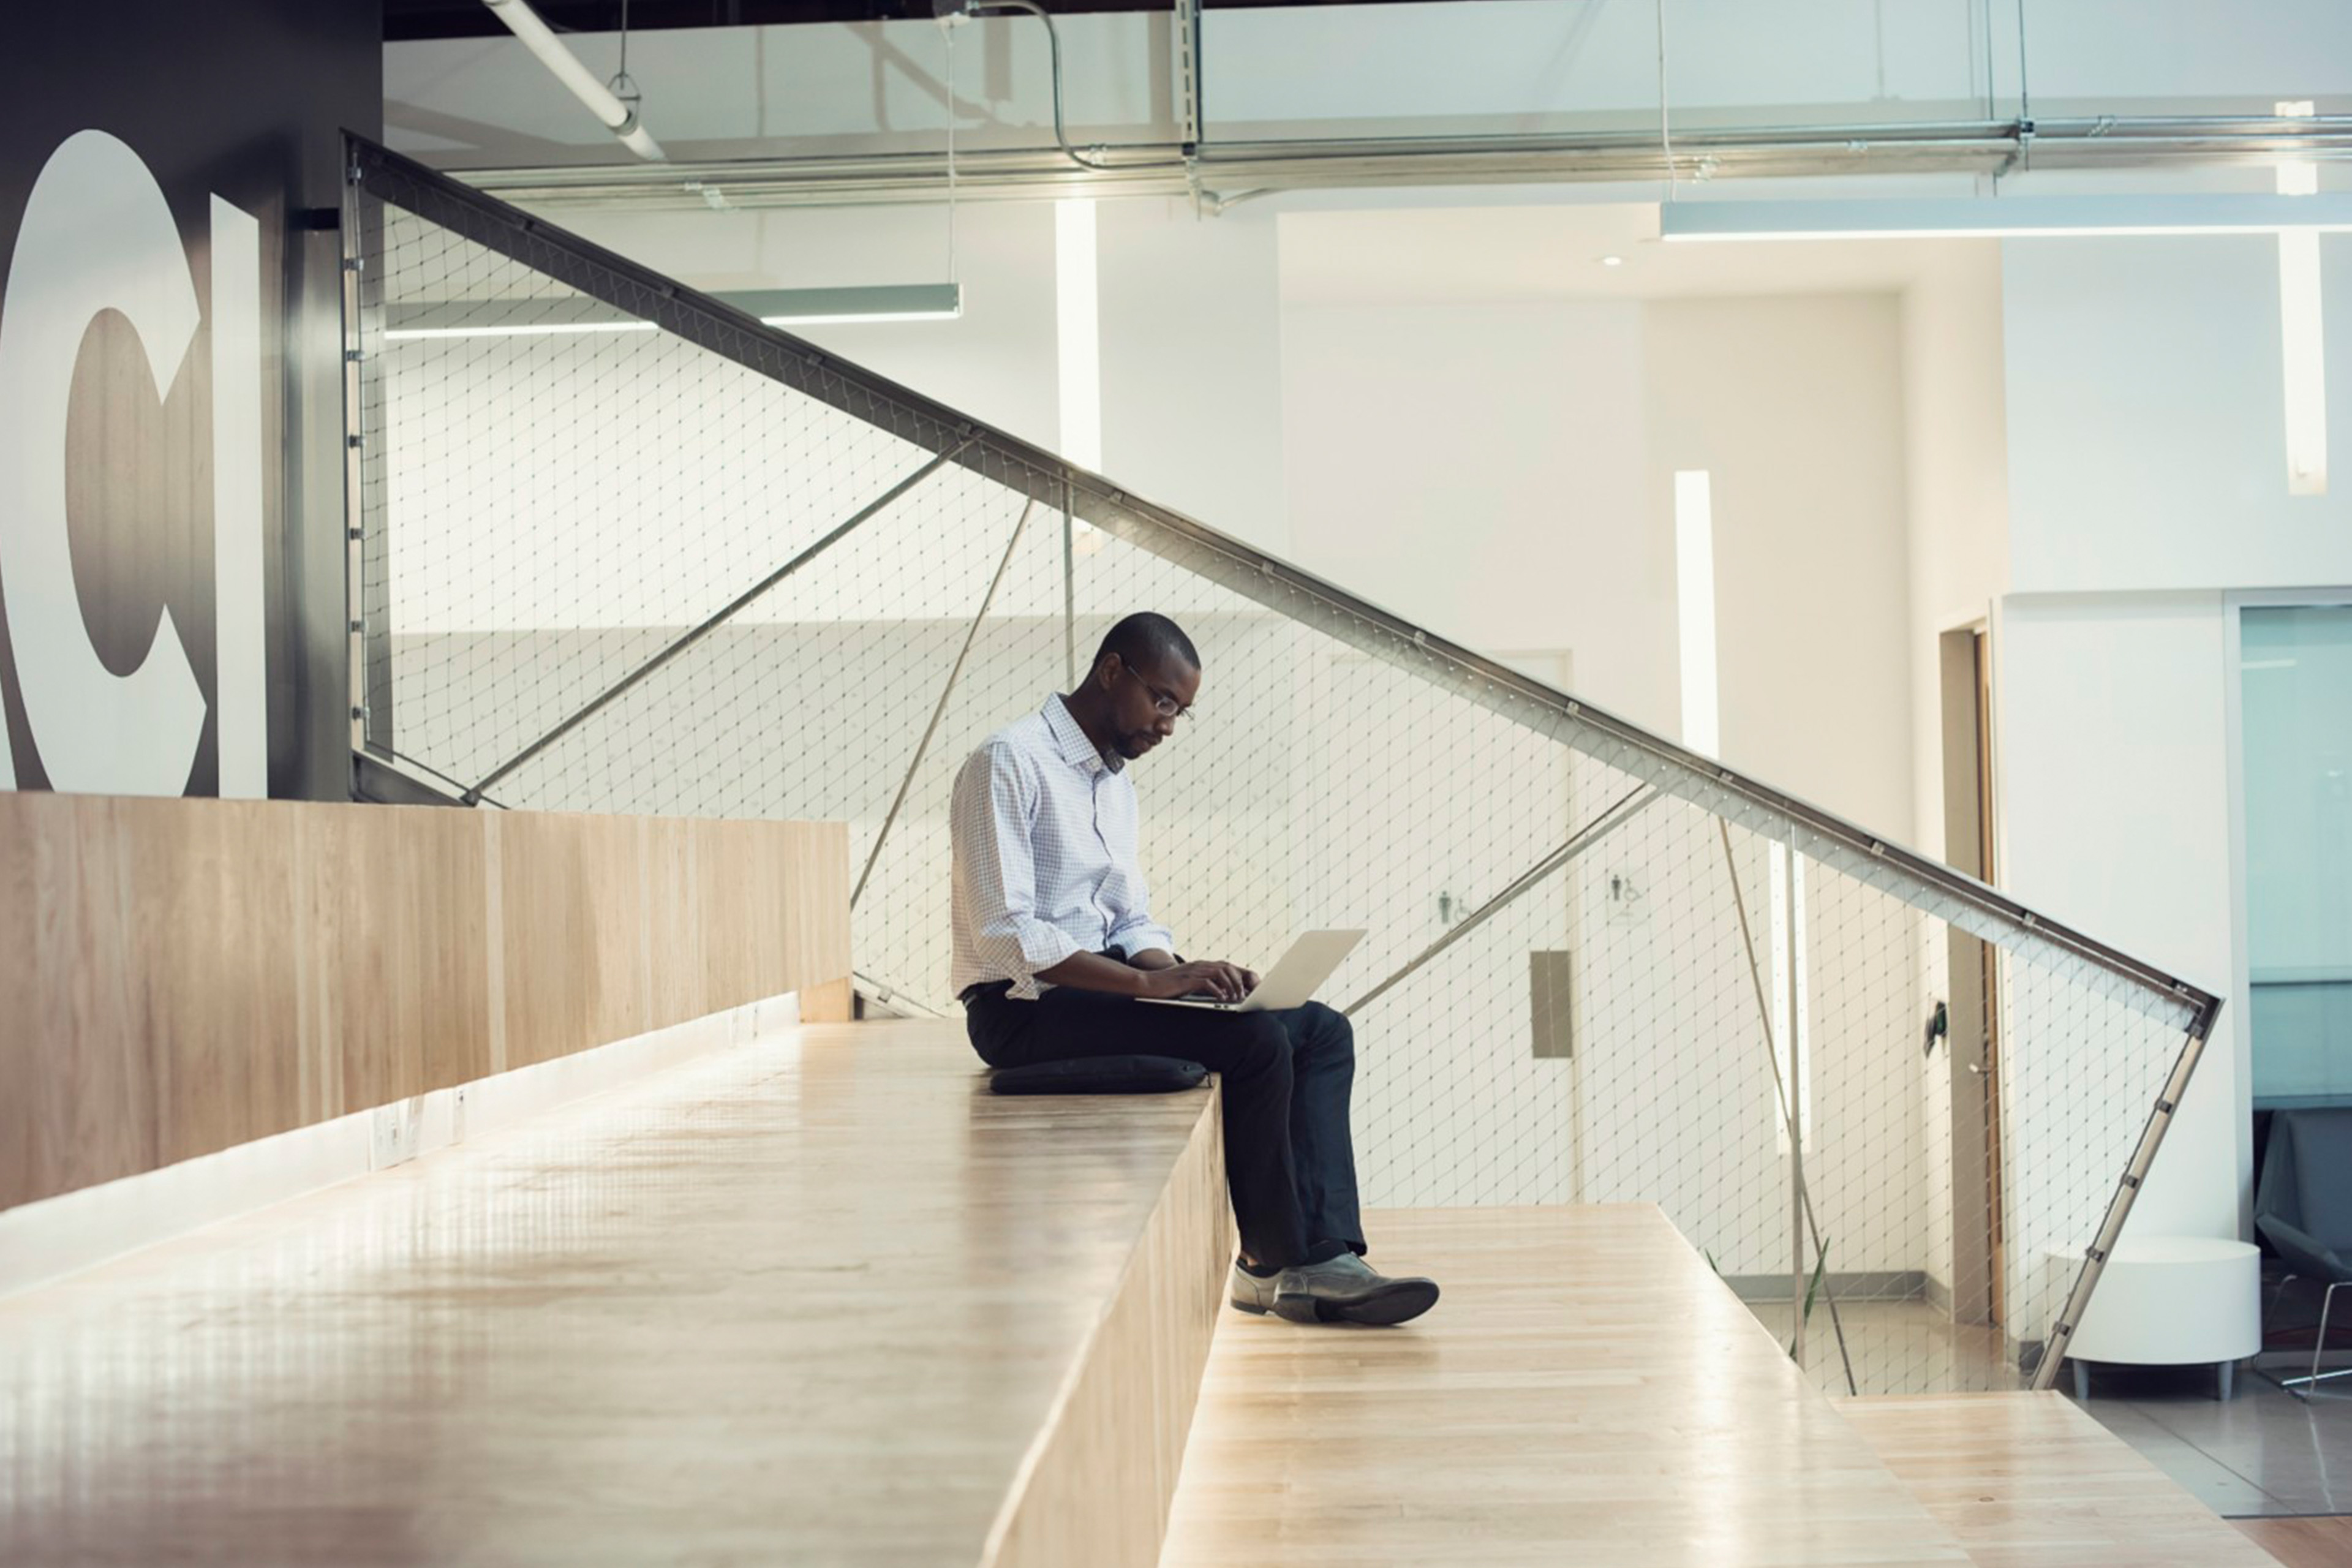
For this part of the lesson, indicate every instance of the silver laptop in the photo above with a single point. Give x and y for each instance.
(1292, 981)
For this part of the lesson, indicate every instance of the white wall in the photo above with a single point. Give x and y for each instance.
(1795, 407)
(1502, 473)
(2146, 418)
(2115, 797)
(1956, 463)
(1956, 466)
(2147, 476)
(1191, 363)
(995, 362)
(1482, 470)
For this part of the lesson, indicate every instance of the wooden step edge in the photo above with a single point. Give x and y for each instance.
(1098, 1482)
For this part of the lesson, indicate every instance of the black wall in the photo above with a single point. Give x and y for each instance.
(247, 99)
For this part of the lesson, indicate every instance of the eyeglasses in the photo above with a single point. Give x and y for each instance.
(1163, 702)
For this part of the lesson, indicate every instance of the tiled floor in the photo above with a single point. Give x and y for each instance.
(2263, 1454)
(1894, 1348)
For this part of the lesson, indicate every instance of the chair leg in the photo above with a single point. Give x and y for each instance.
(2296, 1385)
(2226, 1369)
(2083, 1381)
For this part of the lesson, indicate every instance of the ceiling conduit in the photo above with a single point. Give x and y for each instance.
(1982, 147)
(619, 118)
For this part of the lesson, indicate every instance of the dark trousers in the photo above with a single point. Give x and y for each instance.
(1290, 1161)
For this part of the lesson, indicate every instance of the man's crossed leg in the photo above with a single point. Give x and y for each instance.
(1290, 1162)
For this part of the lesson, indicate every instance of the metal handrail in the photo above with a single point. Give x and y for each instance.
(1033, 471)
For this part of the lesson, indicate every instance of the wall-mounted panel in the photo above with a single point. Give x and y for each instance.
(170, 394)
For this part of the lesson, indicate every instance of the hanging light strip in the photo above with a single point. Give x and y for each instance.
(1690, 221)
(424, 320)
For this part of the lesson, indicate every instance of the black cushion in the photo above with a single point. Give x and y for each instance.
(1100, 1074)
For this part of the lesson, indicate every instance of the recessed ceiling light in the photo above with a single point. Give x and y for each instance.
(1612, 261)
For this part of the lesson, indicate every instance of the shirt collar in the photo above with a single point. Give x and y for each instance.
(1077, 748)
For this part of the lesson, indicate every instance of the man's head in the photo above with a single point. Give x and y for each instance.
(1145, 675)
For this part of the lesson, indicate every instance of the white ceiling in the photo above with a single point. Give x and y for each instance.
(1485, 255)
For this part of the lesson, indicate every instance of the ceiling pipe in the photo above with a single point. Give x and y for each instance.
(619, 118)
(1984, 147)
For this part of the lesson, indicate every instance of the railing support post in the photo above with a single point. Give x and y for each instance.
(939, 710)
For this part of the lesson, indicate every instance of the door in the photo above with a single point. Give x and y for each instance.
(1973, 1046)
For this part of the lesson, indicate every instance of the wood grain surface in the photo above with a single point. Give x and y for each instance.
(2324, 1541)
(1587, 1392)
(2027, 1480)
(178, 976)
(1106, 1468)
(821, 1299)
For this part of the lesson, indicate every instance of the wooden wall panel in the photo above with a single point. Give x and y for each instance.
(208, 899)
(678, 988)
(571, 889)
(396, 954)
(177, 976)
(79, 1101)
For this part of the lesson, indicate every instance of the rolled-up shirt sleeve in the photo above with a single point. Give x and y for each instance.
(996, 869)
(1136, 931)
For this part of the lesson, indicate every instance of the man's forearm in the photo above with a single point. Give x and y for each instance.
(1152, 958)
(1093, 971)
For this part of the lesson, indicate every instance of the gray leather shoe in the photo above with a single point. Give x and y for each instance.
(1344, 1289)
(1251, 1293)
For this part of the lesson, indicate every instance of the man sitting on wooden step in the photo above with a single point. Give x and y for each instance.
(1055, 948)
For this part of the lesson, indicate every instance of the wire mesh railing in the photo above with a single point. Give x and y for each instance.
(620, 548)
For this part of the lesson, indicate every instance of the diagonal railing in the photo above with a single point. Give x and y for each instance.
(686, 563)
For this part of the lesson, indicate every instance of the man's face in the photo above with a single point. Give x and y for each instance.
(1147, 701)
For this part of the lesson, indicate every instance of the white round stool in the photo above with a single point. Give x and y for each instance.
(2167, 1301)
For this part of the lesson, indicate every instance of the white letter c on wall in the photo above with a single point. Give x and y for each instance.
(98, 234)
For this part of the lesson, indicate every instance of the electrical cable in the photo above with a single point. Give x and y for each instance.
(1054, 38)
(622, 85)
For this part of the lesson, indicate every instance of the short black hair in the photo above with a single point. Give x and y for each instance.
(1145, 638)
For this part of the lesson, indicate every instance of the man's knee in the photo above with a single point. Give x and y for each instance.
(1329, 1029)
(1262, 1048)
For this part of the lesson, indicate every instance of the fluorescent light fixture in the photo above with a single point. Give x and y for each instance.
(530, 318)
(1612, 261)
(1694, 610)
(1077, 318)
(2013, 217)
(411, 334)
(517, 318)
(878, 302)
(2301, 334)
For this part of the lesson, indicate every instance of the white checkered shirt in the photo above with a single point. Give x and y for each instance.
(1045, 855)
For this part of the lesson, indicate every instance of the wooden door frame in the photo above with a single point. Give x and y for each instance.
(1967, 725)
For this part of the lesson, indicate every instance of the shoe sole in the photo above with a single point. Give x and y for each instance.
(1385, 1307)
